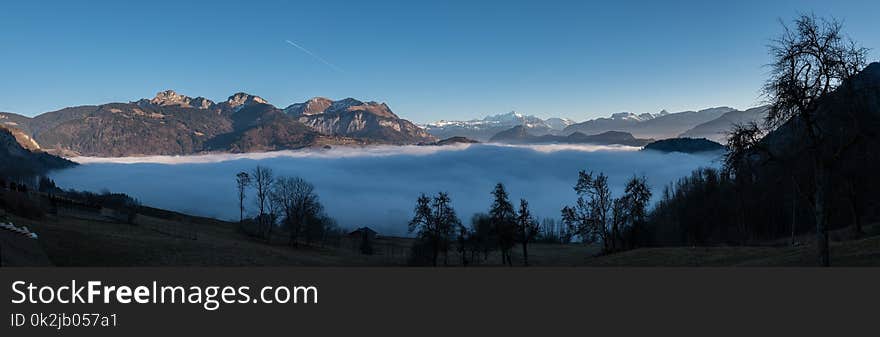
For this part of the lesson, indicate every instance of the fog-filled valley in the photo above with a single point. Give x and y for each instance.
(378, 186)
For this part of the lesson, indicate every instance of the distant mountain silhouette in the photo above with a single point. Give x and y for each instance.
(718, 128)
(483, 129)
(685, 145)
(658, 126)
(710, 123)
(520, 135)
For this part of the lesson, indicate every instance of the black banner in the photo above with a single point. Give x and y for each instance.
(401, 301)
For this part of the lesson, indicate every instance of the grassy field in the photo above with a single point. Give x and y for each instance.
(70, 241)
(161, 238)
(75, 241)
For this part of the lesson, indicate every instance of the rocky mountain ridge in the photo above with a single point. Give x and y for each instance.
(174, 124)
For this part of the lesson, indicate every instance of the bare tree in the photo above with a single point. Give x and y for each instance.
(299, 204)
(743, 145)
(589, 217)
(527, 227)
(631, 209)
(242, 181)
(811, 60)
(262, 179)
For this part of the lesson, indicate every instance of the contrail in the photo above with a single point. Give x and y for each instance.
(331, 65)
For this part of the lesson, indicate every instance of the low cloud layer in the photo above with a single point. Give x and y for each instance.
(378, 186)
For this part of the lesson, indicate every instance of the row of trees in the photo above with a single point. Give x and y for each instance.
(595, 218)
(438, 229)
(600, 218)
(284, 202)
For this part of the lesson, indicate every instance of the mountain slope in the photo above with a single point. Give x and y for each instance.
(717, 129)
(19, 161)
(355, 119)
(661, 125)
(520, 135)
(483, 129)
(175, 124)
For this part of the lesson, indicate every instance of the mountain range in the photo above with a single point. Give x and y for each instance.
(484, 129)
(521, 135)
(175, 124)
(712, 123)
(659, 126)
(718, 128)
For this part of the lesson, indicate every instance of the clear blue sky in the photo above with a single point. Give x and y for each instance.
(428, 61)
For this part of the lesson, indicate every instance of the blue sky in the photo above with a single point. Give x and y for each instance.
(428, 60)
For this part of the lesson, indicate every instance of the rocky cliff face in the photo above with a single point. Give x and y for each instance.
(352, 118)
(171, 98)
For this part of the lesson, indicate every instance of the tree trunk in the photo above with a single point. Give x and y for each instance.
(821, 216)
(525, 254)
(794, 197)
(854, 208)
(269, 233)
(857, 222)
(614, 234)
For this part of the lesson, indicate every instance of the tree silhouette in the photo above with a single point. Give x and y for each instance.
(503, 219)
(483, 235)
(633, 209)
(262, 179)
(242, 181)
(810, 60)
(299, 203)
(527, 227)
(589, 217)
(435, 221)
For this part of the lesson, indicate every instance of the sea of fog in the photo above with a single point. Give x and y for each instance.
(378, 186)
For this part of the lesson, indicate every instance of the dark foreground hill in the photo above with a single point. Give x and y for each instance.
(21, 157)
(770, 193)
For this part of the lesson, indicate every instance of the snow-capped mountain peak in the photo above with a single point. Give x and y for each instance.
(483, 129)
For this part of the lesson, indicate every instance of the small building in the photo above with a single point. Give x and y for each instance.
(363, 238)
(362, 233)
